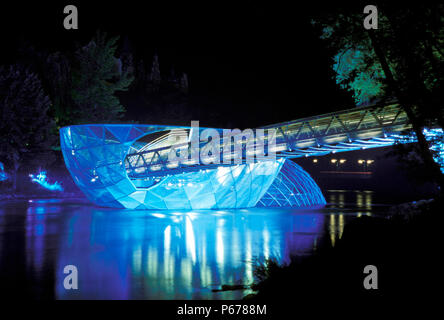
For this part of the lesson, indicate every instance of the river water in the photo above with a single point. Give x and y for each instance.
(125, 254)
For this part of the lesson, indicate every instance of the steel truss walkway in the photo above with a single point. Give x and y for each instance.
(353, 129)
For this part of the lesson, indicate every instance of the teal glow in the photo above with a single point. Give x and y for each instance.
(3, 174)
(354, 73)
(41, 179)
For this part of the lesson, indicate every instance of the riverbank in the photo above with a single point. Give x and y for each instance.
(40, 195)
(404, 246)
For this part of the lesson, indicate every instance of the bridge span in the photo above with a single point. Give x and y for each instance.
(138, 166)
(347, 130)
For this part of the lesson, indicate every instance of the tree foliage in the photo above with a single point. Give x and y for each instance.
(355, 73)
(26, 129)
(57, 77)
(412, 41)
(402, 59)
(96, 77)
(355, 63)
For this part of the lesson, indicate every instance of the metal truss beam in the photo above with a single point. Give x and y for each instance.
(353, 129)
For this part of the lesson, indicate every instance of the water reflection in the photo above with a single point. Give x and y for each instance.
(122, 254)
(359, 201)
(180, 255)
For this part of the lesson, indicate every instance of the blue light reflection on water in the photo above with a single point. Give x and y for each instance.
(124, 254)
(180, 255)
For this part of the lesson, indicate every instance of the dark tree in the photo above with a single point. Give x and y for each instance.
(402, 59)
(26, 130)
(57, 77)
(96, 76)
(127, 58)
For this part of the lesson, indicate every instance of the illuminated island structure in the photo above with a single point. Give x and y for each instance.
(125, 166)
(130, 165)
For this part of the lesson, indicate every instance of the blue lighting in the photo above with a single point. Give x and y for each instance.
(178, 256)
(101, 161)
(3, 175)
(41, 179)
(95, 156)
(436, 138)
(293, 187)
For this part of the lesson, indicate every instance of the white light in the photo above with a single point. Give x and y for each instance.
(278, 148)
(172, 164)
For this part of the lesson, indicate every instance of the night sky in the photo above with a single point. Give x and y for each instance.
(248, 65)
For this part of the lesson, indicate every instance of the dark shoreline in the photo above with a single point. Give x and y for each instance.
(404, 245)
